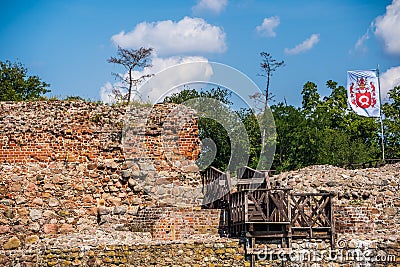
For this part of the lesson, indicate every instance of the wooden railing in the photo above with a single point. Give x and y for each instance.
(216, 188)
(312, 215)
(370, 164)
(247, 172)
(392, 161)
(278, 212)
(259, 208)
(249, 178)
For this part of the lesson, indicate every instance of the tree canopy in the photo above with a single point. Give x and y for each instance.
(209, 129)
(17, 85)
(324, 130)
(391, 110)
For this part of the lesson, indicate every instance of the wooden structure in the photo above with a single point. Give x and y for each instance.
(260, 210)
(216, 188)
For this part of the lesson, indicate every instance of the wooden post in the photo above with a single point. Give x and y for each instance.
(333, 231)
(267, 181)
(289, 230)
(253, 256)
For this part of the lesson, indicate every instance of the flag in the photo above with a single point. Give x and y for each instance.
(363, 92)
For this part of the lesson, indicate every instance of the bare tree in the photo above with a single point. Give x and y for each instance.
(268, 66)
(131, 60)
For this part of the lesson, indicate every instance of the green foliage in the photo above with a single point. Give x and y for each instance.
(75, 98)
(323, 131)
(294, 140)
(16, 85)
(226, 134)
(209, 128)
(251, 124)
(218, 93)
(391, 111)
(310, 96)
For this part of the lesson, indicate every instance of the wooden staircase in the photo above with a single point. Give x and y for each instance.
(260, 211)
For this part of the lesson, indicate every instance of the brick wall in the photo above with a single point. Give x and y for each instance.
(77, 167)
(77, 131)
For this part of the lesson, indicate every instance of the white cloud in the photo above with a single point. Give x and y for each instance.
(215, 6)
(360, 46)
(165, 82)
(189, 35)
(304, 46)
(268, 26)
(389, 79)
(387, 28)
(162, 82)
(106, 93)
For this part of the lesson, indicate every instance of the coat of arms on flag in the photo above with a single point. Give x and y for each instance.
(363, 95)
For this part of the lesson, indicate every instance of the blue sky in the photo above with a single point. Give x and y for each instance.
(67, 43)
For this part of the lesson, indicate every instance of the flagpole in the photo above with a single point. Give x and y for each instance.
(380, 116)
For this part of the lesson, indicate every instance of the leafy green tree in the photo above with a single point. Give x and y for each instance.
(391, 111)
(251, 123)
(337, 147)
(16, 85)
(311, 97)
(209, 128)
(323, 131)
(295, 142)
(227, 131)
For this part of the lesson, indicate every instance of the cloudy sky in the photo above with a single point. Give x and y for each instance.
(67, 43)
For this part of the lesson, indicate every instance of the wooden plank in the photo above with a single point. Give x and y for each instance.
(321, 212)
(246, 211)
(229, 181)
(279, 203)
(300, 211)
(268, 235)
(257, 206)
(289, 227)
(333, 244)
(267, 181)
(253, 256)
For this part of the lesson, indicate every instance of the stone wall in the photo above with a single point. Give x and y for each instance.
(70, 167)
(96, 185)
(185, 254)
(211, 253)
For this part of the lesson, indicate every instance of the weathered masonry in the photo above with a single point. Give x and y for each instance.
(64, 169)
(76, 131)
(77, 189)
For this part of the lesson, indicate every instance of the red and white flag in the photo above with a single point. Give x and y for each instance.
(363, 92)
